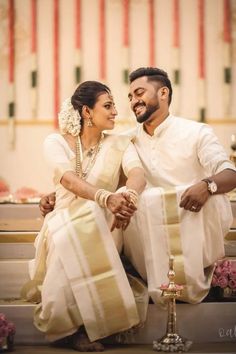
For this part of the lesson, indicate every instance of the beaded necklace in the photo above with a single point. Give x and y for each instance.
(92, 154)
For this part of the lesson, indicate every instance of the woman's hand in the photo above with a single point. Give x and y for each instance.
(123, 209)
(47, 203)
(120, 224)
(120, 205)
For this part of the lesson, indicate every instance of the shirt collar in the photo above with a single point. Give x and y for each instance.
(163, 126)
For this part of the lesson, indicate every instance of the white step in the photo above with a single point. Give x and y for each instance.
(203, 323)
(17, 251)
(19, 211)
(17, 244)
(13, 275)
(21, 314)
(20, 244)
(230, 243)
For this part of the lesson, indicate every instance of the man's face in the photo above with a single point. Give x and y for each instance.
(143, 98)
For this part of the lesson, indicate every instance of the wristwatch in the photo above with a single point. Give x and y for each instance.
(211, 185)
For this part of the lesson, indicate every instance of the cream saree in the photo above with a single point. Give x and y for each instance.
(77, 274)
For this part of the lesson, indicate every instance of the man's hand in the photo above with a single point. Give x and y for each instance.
(195, 197)
(47, 203)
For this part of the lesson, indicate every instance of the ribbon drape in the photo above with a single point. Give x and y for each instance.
(78, 31)
(34, 73)
(151, 33)
(11, 72)
(56, 61)
(102, 35)
(201, 59)
(227, 55)
(125, 40)
(176, 54)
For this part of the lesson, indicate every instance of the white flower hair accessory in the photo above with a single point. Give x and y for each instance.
(69, 119)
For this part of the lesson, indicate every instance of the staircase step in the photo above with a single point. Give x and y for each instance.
(17, 244)
(13, 275)
(21, 244)
(21, 314)
(17, 251)
(203, 323)
(231, 236)
(19, 211)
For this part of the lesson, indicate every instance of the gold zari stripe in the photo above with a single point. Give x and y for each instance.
(173, 230)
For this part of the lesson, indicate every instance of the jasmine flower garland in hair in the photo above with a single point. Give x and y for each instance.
(69, 119)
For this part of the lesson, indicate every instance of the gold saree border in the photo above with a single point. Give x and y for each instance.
(173, 231)
(102, 275)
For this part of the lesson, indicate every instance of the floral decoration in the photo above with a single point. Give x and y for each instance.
(7, 332)
(225, 275)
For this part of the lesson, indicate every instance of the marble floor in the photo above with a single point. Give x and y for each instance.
(216, 348)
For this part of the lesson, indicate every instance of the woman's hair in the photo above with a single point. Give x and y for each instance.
(70, 116)
(87, 94)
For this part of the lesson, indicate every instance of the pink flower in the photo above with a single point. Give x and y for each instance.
(218, 270)
(11, 328)
(214, 281)
(226, 264)
(222, 281)
(225, 270)
(2, 318)
(3, 331)
(233, 274)
(232, 283)
(6, 328)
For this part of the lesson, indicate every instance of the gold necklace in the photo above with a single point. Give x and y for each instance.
(92, 157)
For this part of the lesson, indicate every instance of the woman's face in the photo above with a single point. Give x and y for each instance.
(104, 112)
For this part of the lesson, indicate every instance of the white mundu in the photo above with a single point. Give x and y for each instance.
(179, 154)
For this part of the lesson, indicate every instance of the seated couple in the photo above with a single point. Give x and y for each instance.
(77, 277)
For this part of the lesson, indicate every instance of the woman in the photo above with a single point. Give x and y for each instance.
(77, 275)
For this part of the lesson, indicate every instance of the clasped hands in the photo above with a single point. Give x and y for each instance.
(122, 207)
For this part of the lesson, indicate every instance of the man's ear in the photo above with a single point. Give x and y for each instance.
(163, 93)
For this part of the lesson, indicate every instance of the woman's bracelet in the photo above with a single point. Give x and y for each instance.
(101, 197)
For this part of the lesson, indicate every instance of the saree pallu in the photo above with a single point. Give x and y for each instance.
(77, 275)
(160, 228)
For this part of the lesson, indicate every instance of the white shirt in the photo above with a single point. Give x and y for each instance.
(180, 152)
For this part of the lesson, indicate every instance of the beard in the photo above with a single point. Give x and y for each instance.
(149, 111)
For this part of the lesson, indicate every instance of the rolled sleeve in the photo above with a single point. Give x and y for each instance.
(130, 159)
(211, 153)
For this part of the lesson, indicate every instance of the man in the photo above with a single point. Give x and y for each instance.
(187, 215)
(183, 211)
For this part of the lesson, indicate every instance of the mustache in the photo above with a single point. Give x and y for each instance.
(139, 103)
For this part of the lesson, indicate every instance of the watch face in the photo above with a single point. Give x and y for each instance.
(213, 187)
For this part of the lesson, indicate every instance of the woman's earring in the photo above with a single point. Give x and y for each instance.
(89, 122)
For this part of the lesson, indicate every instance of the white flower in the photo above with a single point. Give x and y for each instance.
(69, 119)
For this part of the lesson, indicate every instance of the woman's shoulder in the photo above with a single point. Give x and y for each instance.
(53, 137)
(55, 140)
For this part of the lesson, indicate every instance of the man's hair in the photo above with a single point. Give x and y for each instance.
(153, 74)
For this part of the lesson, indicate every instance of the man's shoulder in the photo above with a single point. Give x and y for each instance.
(185, 123)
